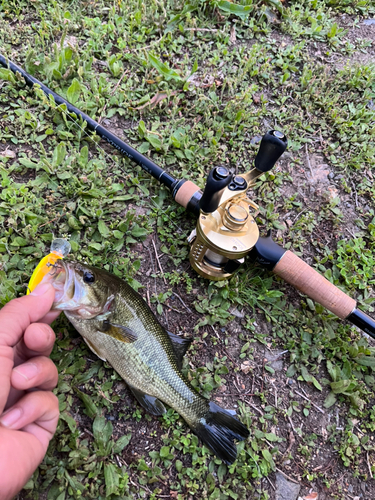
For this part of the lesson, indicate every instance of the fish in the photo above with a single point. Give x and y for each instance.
(120, 328)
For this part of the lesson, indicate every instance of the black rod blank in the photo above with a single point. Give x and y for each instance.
(145, 163)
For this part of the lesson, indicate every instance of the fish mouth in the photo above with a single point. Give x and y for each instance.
(70, 294)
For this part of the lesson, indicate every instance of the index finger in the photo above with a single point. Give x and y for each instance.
(15, 317)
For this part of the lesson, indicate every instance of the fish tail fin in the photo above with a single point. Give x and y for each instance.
(218, 429)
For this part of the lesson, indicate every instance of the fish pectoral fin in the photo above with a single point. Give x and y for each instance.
(180, 346)
(119, 332)
(149, 403)
(95, 350)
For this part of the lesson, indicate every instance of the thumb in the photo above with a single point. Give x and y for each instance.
(18, 314)
(15, 317)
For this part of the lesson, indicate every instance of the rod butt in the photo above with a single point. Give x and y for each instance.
(364, 322)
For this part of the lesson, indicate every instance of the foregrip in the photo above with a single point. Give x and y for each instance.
(308, 281)
(188, 195)
(185, 193)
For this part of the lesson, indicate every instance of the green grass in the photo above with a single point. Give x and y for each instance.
(214, 96)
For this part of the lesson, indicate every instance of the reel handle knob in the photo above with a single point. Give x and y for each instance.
(273, 145)
(218, 179)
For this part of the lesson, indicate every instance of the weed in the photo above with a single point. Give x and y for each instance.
(194, 85)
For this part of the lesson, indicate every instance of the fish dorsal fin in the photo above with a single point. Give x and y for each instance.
(150, 403)
(180, 346)
(119, 332)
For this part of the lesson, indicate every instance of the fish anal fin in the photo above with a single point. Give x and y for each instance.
(150, 403)
(119, 332)
(95, 350)
(180, 346)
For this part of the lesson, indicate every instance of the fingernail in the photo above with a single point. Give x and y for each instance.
(28, 370)
(10, 417)
(41, 289)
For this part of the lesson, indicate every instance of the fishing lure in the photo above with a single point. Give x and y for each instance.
(60, 248)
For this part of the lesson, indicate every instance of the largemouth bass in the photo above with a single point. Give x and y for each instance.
(120, 328)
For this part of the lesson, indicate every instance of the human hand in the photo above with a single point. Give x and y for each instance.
(27, 377)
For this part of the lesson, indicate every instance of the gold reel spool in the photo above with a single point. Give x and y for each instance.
(222, 239)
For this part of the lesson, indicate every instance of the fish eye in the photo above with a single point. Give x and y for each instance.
(88, 277)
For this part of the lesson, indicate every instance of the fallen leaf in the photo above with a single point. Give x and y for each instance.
(8, 153)
(311, 496)
(201, 80)
(332, 193)
(156, 99)
(245, 367)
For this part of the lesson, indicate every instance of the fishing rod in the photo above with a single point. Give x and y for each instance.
(226, 232)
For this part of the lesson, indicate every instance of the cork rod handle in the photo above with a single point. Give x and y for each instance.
(308, 281)
(185, 193)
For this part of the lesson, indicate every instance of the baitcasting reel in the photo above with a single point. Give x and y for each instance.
(226, 231)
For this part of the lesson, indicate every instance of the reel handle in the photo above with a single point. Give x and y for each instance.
(272, 146)
(188, 194)
(218, 179)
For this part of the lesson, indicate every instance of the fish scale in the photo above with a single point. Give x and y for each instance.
(120, 328)
(149, 363)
